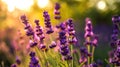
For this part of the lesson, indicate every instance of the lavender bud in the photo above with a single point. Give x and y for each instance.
(57, 6)
(32, 43)
(37, 22)
(18, 61)
(32, 54)
(56, 12)
(53, 45)
(57, 17)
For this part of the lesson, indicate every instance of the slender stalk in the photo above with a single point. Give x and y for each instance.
(46, 58)
(108, 63)
(72, 54)
(88, 47)
(67, 62)
(81, 64)
(93, 50)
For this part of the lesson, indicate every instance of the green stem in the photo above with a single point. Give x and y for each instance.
(93, 49)
(108, 63)
(81, 64)
(67, 63)
(88, 47)
(46, 58)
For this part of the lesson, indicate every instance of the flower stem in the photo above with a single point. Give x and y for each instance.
(81, 64)
(93, 49)
(46, 58)
(88, 47)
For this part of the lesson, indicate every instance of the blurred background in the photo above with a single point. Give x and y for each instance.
(100, 12)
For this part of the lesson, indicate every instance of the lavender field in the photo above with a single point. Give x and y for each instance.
(59, 33)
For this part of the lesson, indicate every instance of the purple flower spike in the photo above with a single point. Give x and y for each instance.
(57, 11)
(88, 28)
(47, 22)
(32, 43)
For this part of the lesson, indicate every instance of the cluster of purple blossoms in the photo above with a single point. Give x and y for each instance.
(90, 37)
(57, 11)
(40, 35)
(71, 32)
(64, 49)
(29, 31)
(33, 60)
(114, 36)
(48, 25)
(28, 28)
(90, 42)
(115, 42)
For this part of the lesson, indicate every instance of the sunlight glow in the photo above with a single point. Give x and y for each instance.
(101, 5)
(43, 3)
(19, 4)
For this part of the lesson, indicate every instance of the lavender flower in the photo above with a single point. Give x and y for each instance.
(64, 49)
(71, 31)
(114, 36)
(18, 61)
(29, 31)
(84, 52)
(33, 60)
(115, 42)
(57, 12)
(40, 35)
(28, 28)
(88, 28)
(47, 22)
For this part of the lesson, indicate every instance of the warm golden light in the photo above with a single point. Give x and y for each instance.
(43, 3)
(101, 5)
(19, 4)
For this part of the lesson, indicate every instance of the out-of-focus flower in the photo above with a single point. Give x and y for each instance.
(13, 65)
(57, 11)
